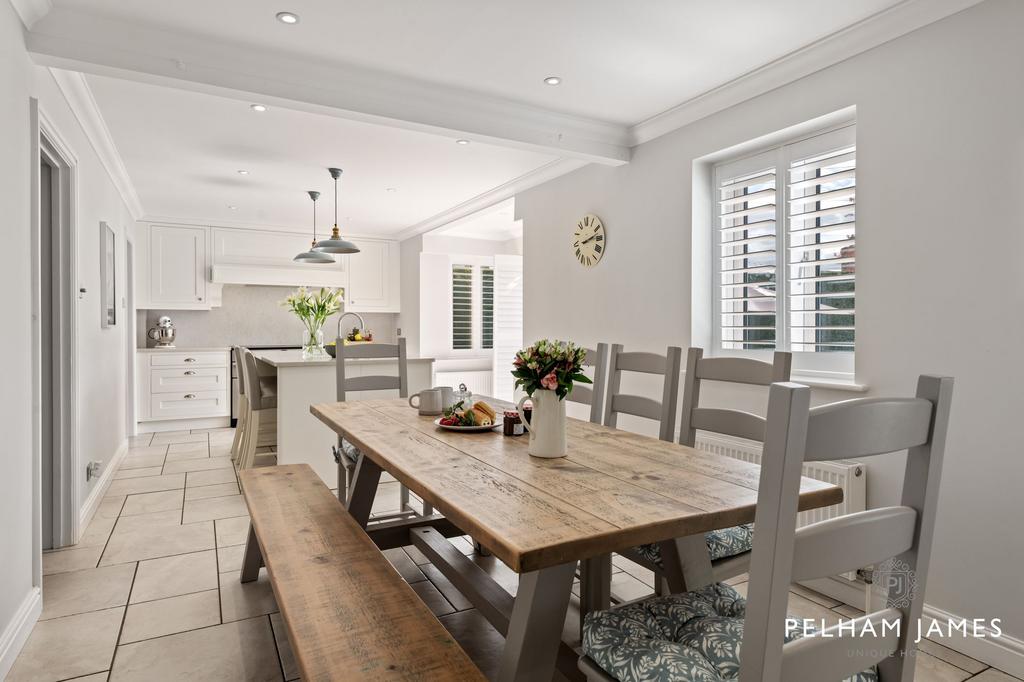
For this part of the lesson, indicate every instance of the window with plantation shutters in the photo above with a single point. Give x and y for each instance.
(785, 252)
(462, 307)
(472, 307)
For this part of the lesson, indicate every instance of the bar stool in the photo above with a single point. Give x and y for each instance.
(261, 419)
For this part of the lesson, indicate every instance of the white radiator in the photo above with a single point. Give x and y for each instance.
(848, 475)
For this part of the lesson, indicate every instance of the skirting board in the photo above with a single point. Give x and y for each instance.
(1005, 652)
(92, 503)
(17, 631)
(183, 424)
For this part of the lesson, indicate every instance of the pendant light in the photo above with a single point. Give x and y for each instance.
(335, 244)
(312, 256)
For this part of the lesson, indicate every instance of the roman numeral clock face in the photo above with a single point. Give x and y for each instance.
(588, 243)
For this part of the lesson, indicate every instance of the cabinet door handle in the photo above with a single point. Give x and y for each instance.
(190, 373)
(190, 359)
(190, 396)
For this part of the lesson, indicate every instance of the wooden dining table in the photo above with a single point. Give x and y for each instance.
(542, 517)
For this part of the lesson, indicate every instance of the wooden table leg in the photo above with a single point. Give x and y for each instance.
(364, 490)
(535, 629)
(595, 586)
(687, 563)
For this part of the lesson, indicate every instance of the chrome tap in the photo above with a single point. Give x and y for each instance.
(362, 325)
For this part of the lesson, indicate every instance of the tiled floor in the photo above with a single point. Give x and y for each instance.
(152, 593)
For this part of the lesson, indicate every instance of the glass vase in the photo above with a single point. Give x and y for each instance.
(313, 343)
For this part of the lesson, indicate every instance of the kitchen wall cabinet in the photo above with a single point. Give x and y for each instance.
(373, 277)
(172, 266)
(184, 267)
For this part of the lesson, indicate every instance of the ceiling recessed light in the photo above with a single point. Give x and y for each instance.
(552, 80)
(232, 208)
(242, 171)
(461, 141)
(258, 108)
(391, 189)
(288, 17)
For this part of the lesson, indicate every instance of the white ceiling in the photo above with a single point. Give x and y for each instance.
(621, 62)
(496, 223)
(182, 151)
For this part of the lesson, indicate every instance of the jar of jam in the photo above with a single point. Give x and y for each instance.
(512, 425)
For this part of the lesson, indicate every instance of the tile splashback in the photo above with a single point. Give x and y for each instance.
(252, 315)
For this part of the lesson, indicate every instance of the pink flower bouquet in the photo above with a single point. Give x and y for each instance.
(550, 365)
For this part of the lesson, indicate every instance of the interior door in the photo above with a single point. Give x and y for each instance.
(46, 293)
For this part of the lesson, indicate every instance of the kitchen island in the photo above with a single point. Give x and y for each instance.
(301, 437)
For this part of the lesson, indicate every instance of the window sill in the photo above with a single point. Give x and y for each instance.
(830, 384)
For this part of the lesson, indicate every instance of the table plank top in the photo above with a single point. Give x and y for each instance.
(615, 489)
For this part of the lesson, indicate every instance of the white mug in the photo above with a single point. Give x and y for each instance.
(429, 402)
(447, 396)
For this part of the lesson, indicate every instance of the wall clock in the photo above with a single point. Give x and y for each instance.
(588, 244)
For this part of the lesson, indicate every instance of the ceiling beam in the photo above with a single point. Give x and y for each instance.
(83, 42)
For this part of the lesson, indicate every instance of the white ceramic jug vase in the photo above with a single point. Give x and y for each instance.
(546, 425)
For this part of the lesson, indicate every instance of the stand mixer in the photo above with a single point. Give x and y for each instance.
(163, 333)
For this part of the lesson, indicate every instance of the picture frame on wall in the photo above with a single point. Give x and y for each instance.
(108, 276)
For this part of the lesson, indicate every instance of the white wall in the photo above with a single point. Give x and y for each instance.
(409, 318)
(101, 352)
(940, 284)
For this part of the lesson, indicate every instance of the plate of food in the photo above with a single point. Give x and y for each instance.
(476, 418)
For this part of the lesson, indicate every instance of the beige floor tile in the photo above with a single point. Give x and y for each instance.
(92, 589)
(175, 575)
(949, 656)
(931, 669)
(98, 677)
(220, 449)
(205, 491)
(214, 477)
(123, 473)
(736, 580)
(232, 531)
(627, 588)
(433, 598)
(110, 507)
(386, 499)
(141, 461)
(848, 611)
(993, 675)
(170, 616)
(140, 440)
(68, 647)
(188, 455)
(240, 600)
(159, 519)
(284, 648)
(150, 543)
(815, 596)
(171, 437)
(98, 531)
(242, 651)
(215, 429)
(148, 503)
(74, 559)
(186, 448)
(148, 484)
(214, 508)
(205, 464)
(481, 642)
(229, 559)
(147, 451)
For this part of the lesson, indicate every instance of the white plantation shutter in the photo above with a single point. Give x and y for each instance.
(747, 259)
(486, 307)
(508, 322)
(785, 252)
(462, 307)
(822, 261)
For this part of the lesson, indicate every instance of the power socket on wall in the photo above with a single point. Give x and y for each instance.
(92, 470)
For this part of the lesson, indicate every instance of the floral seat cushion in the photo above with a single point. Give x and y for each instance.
(694, 636)
(721, 544)
(350, 451)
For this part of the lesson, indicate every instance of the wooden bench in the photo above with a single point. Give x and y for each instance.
(350, 615)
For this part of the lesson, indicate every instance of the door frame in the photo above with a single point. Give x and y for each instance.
(47, 141)
(131, 422)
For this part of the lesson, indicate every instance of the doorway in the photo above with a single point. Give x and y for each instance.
(129, 337)
(54, 297)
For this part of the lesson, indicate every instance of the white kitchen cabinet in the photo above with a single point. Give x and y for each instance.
(183, 389)
(373, 277)
(177, 267)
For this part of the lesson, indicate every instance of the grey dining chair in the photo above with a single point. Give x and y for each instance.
(730, 547)
(754, 634)
(594, 394)
(347, 454)
(663, 411)
(243, 405)
(261, 416)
